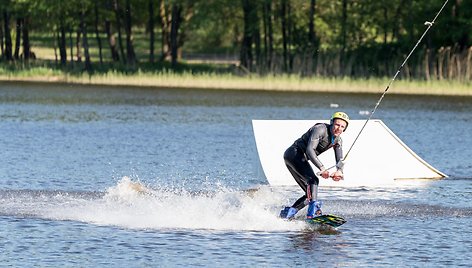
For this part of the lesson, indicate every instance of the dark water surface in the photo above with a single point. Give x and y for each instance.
(71, 156)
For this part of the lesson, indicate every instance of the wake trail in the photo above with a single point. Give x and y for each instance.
(133, 205)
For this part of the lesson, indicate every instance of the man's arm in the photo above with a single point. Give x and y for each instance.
(338, 154)
(315, 137)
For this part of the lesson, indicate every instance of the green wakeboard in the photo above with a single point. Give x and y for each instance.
(330, 220)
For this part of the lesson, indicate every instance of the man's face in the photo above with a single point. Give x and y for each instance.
(339, 126)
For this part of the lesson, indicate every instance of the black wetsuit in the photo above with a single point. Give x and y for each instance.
(315, 141)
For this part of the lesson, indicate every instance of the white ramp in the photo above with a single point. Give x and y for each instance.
(378, 158)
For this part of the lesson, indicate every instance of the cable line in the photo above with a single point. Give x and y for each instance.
(427, 23)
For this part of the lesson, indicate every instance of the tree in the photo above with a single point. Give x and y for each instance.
(250, 17)
(19, 25)
(311, 26)
(83, 31)
(8, 43)
(117, 9)
(268, 33)
(343, 32)
(97, 33)
(358, 38)
(62, 40)
(130, 54)
(285, 35)
(174, 29)
(173, 17)
(151, 31)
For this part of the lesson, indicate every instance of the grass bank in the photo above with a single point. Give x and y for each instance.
(224, 79)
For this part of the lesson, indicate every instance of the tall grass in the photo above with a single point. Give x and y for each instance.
(165, 78)
(309, 77)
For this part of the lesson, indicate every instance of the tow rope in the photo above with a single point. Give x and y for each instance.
(427, 23)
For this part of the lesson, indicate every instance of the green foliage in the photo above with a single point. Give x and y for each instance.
(372, 31)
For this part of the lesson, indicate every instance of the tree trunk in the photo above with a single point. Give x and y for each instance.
(71, 45)
(151, 31)
(343, 36)
(426, 65)
(97, 35)
(131, 56)
(8, 43)
(19, 25)
(62, 42)
(164, 31)
(283, 15)
(256, 33)
(246, 57)
(271, 35)
(55, 44)
(174, 31)
(83, 26)
(313, 47)
(118, 26)
(26, 41)
(267, 21)
(290, 28)
(468, 66)
(2, 43)
(78, 46)
(111, 41)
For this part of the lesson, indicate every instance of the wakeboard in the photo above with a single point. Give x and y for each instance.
(326, 220)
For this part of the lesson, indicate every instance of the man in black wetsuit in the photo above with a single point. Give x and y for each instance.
(315, 141)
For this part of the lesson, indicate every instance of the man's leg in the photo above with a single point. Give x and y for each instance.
(302, 172)
(314, 206)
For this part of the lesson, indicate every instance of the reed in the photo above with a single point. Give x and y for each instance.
(211, 80)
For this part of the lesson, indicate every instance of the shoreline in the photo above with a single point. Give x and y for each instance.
(275, 84)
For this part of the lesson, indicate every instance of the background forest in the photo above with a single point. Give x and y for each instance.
(329, 38)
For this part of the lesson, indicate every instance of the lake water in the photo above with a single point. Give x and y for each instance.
(72, 157)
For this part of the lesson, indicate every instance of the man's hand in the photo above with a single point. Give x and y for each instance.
(337, 176)
(324, 173)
